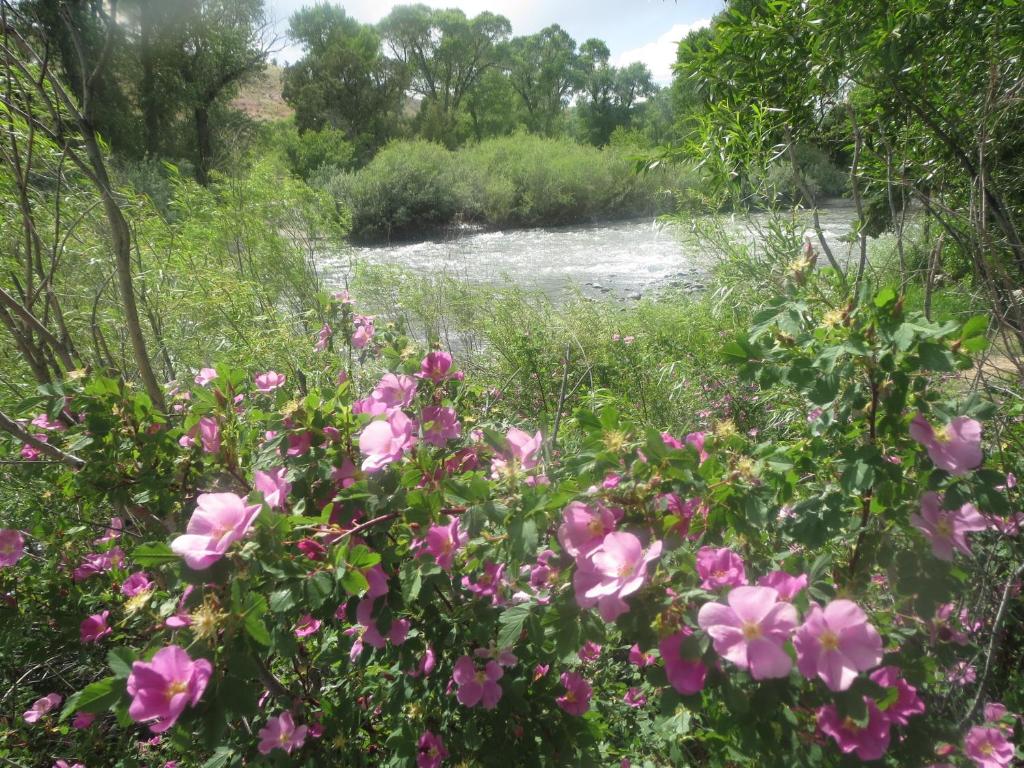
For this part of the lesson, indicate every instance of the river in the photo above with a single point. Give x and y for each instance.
(622, 260)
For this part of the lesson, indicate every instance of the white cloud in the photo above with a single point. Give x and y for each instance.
(660, 55)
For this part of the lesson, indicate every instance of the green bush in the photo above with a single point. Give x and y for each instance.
(408, 188)
(414, 188)
(311, 152)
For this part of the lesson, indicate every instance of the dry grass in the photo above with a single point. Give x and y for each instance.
(260, 97)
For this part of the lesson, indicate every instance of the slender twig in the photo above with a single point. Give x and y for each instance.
(992, 642)
(9, 425)
(561, 398)
(368, 524)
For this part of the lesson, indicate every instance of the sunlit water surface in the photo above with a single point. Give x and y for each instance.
(624, 260)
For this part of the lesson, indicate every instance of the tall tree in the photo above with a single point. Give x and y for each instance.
(222, 42)
(446, 54)
(343, 81)
(608, 95)
(543, 68)
(91, 50)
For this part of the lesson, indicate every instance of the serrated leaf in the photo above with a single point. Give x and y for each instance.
(511, 624)
(95, 697)
(255, 607)
(282, 600)
(222, 757)
(976, 326)
(120, 661)
(354, 582)
(153, 554)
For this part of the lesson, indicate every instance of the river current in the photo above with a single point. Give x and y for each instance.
(623, 260)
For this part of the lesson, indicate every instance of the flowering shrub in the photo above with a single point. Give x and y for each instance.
(395, 580)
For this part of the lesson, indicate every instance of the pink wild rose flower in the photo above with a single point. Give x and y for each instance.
(835, 643)
(947, 529)
(584, 527)
(436, 367)
(205, 376)
(752, 630)
(323, 338)
(83, 720)
(161, 688)
(269, 381)
(12, 547)
(907, 703)
(612, 571)
(439, 425)
(477, 686)
(42, 706)
(955, 448)
(136, 584)
(272, 484)
(220, 519)
(307, 626)
(209, 433)
(685, 675)
(869, 742)
(988, 747)
(430, 751)
(639, 658)
(94, 628)
(576, 699)
(362, 331)
(521, 453)
(720, 568)
(443, 541)
(393, 391)
(281, 733)
(787, 585)
(386, 441)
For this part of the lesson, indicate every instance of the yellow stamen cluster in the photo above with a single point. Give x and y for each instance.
(615, 440)
(724, 429)
(746, 469)
(832, 318)
(829, 640)
(206, 620)
(137, 602)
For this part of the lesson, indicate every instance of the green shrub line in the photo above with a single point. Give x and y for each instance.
(413, 189)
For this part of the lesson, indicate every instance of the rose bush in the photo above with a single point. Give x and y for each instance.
(304, 575)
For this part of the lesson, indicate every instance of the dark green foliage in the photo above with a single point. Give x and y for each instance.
(343, 81)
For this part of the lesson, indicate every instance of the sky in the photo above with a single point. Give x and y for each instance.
(635, 30)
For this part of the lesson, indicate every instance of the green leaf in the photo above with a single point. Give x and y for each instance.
(354, 582)
(222, 757)
(934, 357)
(282, 601)
(96, 697)
(734, 353)
(255, 608)
(120, 661)
(523, 537)
(976, 326)
(511, 624)
(885, 297)
(318, 588)
(361, 557)
(153, 554)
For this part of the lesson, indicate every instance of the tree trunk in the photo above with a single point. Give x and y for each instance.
(204, 144)
(147, 88)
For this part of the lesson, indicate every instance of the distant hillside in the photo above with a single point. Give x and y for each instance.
(260, 97)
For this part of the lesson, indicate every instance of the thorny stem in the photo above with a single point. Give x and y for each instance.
(993, 639)
(865, 511)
